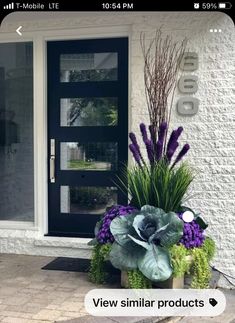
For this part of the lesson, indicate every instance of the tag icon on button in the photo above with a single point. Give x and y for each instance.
(213, 302)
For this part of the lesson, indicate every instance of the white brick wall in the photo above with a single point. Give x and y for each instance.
(210, 133)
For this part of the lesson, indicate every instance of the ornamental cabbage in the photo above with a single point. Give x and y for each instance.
(142, 240)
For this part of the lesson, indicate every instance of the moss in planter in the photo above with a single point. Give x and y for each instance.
(179, 261)
(99, 256)
(209, 248)
(137, 280)
(201, 272)
(199, 267)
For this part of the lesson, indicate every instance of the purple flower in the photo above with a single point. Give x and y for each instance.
(153, 139)
(136, 150)
(152, 133)
(172, 139)
(148, 143)
(134, 140)
(170, 152)
(104, 235)
(181, 154)
(156, 146)
(159, 149)
(150, 152)
(162, 131)
(172, 143)
(193, 235)
(178, 132)
(135, 154)
(160, 142)
(143, 132)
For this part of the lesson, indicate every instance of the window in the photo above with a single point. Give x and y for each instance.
(16, 132)
(88, 67)
(88, 112)
(88, 156)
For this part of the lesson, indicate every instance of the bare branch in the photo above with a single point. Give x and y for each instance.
(162, 58)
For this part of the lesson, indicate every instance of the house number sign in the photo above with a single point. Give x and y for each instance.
(188, 84)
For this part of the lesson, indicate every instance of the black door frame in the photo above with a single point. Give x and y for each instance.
(63, 224)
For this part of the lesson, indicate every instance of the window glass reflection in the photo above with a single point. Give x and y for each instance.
(88, 67)
(87, 199)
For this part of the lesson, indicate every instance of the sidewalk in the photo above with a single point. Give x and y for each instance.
(31, 295)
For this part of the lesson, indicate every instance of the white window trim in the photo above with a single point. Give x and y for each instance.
(39, 40)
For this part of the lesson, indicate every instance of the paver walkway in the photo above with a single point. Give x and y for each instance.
(31, 295)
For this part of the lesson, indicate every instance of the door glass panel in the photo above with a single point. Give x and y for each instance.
(88, 67)
(16, 132)
(88, 156)
(87, 199)
(80, 112)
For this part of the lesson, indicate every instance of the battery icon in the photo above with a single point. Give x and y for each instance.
(225, 5)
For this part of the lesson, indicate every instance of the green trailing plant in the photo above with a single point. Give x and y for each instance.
(201, 272)
(179, 260)
(198, 266)
(142, 240)
(137, 280)
(159, 185)
(209, 248)
(105, 250)
(100, 254)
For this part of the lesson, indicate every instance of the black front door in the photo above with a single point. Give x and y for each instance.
(87, 131)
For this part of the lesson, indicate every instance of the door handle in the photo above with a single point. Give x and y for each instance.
(52, 161)
(52, 169)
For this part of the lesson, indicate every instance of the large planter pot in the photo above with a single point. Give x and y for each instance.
(124, 279)
(171, 283)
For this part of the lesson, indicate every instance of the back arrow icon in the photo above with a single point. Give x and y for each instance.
(18, 30)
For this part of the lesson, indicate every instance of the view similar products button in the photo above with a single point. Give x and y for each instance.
(155, 302)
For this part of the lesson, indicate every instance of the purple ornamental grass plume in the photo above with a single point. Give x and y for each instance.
(159, 149)
(160, 142)
(143, 132)
(172, 139)
(155, 146)
(150, 151)
(171, 151)
(135, 153)
(162, 131)
(152, 134)
(154, 140)
(173, 143)
(137, 147)
(181, 154)
(148, 143)
(179, 131)
(134, 140)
